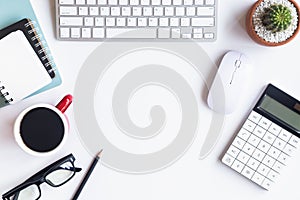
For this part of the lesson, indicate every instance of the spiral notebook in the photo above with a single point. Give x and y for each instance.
(12, 11)
(25, 66)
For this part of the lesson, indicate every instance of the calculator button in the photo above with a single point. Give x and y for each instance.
(248, 148)
(267, 184)
(248, 172)
(252, 163)
(289, 149)
(274, 152)
(254, 117)
(269, 137)
(254, 140)
(265, 123)
(283, 158)
(238, 142)
(258, 155)
(278, 166)
(243, 157)
(257, 178)
(264, 146)
(233, 151)
(248, 125)
(237, 166)
(279, 144)
(272, 175)
(274, 129)
(263, 169)
(259, 131)
(268, 161)
(285, 135)
(244, 134)
(294, 141)
(227, 159)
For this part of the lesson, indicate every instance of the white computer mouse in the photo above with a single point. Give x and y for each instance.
(230, 82)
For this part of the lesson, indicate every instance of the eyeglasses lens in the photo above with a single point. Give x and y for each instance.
(61, 175)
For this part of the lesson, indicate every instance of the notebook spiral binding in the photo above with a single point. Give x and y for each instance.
(41, 49)
(5, 94)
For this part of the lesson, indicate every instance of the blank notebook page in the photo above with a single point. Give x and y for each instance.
(21, 71)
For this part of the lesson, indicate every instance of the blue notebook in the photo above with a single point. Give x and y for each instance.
(13, 11)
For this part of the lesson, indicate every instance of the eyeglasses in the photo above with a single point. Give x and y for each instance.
(54, 175)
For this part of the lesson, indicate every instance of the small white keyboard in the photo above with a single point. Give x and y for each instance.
(136, 19)
(261, 148)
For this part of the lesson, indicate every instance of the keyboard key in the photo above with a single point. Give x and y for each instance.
(126, 11)
(179, 11)
(190, 11)
(254, 117)
(265, 123)
(142, 22)
(155, 2)
(274, 129)
(98, 32)
(113, 2)
(131, 21)
(64, 32)
(233, 151)
(279, 144)
(185, 21)
(123, 2)
(90, 2)
(147, 11)
(237, 166)
(294, 141)
(153, 21)
(263, 169)
(118, 33)
(99, 21)
(163, 33)
(209, 2)
(254, 140)
(249, 126)
(67, 10)
(269, 137)
(268, 161)
(247, 172)
(285, 135)
(71, 21)
(89, 21)
(83, 11)
(238, 142)
(86, 33)
(187, 2)
(75, 32)
(169, 11)
(166, 2)
(209, 35)
(257, 178)
(66, 2)
(264, 146)
(115, 11)
(227, 159)
(80, 2)
(243, 157)
(205, 11)
(244, 134)
(137, 11)
(110, 21)
(175, 33)
(177, 2)
(248, 148)
(121, 22)
(253, 163)
(274, 152)
(94, 11)
(204, 21)
(163, 22)
(103, 2)
(199, 2)
(104, 11)
(259, 131)
(145, 2)
(174, 21)
(258, 155)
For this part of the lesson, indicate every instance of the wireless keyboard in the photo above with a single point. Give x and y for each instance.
(93, 20)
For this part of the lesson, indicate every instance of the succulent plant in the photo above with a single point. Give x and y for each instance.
(277, 18)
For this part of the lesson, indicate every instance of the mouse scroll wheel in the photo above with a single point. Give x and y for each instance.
(238, 63)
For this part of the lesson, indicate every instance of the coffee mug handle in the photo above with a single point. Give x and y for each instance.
(65, 103)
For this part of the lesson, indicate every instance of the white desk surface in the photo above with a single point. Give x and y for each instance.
(188, 178)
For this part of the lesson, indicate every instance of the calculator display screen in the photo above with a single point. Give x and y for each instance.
(280, 111)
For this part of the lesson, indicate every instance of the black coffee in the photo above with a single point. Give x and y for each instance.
(42, 129)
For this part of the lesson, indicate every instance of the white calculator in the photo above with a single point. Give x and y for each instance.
(267, 139)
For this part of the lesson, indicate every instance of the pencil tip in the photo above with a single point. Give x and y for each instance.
(99, 154)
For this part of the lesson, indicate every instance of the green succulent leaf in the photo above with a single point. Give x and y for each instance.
(277, 18)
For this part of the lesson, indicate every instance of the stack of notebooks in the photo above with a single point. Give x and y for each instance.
(26, 65)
